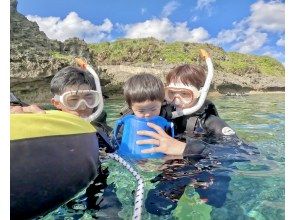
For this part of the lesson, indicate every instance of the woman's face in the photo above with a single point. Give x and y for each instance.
(180, 95)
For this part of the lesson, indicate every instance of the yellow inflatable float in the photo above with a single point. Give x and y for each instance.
(53, 156)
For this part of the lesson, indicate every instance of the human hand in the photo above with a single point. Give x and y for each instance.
(166, 144)
(26, 109)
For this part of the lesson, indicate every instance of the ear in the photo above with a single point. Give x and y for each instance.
(56, 104)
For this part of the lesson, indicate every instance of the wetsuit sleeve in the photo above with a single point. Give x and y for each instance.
(218, 127)
(100, 122)
(194, 147)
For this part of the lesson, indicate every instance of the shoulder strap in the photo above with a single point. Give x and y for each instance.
(191, 122)
(210, 108)
(104, 142)
(166, 111)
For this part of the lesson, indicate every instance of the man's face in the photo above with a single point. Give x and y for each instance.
(83, 110)
(146, 109)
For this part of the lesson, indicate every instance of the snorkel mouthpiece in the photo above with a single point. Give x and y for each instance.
(100, 106)
(203, 91)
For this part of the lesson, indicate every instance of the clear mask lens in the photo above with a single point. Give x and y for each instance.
(75, 99)
(184, 96)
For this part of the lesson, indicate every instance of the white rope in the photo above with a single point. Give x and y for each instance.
(139, 197)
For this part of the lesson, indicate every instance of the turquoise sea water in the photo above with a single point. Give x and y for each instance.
(256, 189)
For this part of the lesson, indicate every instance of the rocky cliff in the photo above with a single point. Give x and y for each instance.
(35, 59)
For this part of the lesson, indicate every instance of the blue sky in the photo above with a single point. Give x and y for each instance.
(246, 26)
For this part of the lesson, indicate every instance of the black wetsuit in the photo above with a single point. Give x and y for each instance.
(99, 195)
(198, 128)
(212, 147)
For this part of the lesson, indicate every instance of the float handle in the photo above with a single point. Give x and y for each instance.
(118, 125)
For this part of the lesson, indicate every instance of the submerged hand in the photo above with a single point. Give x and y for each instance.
(166, 144)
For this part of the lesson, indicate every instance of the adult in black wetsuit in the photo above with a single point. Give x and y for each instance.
(184, 83)
(98, 195)
(202, 137)
(74, 92)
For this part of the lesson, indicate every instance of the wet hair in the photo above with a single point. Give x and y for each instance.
(142, 87)
(187, 74)
(70, 76)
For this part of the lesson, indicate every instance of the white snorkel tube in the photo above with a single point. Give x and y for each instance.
(203, 91)
(100, 106)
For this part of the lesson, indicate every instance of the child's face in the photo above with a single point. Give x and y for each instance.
(83, 110)
(146, 109)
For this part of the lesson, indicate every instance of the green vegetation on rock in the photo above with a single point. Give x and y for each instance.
(153, 51)
(60, 56)
(150, 50)
(242, 64)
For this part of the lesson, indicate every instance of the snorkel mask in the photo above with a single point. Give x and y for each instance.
(73, 100)
(187, 94)
(181, 94)
(90, 98)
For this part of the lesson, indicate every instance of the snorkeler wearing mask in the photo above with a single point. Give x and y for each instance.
(80, 101)
(194, 117)
(78, 91)
(197, 125)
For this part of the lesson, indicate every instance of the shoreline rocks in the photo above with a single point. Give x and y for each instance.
(34, 59)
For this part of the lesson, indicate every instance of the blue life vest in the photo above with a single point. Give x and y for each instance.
(131, 124)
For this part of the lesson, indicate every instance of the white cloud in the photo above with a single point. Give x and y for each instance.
(251, 42)
(164, 29)
(73, 26)
(281, 42)
(274, 54)
(268, 16)
(143, 11)
(194, 18)
(229, 35)
(169, 8)
(241, 38)
(251, 33)
(205, 4)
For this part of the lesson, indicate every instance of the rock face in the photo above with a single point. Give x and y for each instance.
(34, 60)
(222, 82)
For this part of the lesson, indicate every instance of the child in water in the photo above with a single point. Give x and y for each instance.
(144, 94)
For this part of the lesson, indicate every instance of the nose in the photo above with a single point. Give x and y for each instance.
(82, 106)
(177, 101)
(146, 115)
